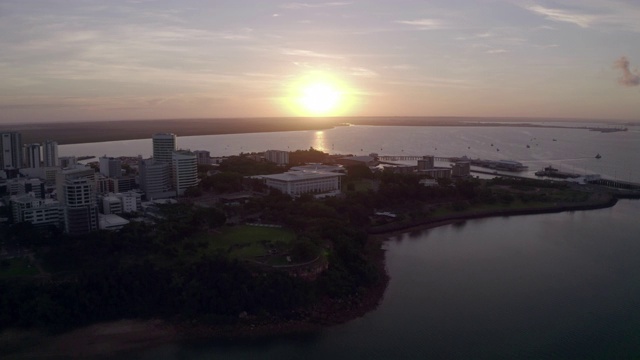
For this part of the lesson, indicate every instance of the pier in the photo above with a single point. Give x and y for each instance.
(618, 184)
(411, 157)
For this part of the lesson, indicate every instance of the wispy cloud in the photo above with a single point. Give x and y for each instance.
(627, 77)
(582, 20)
(309, 53)
(424, 24)
(363, 72)
(622, 15)
(497, 51)
(298, 5)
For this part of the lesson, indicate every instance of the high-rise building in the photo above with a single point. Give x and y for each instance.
(111, 167)
(11, 150)
(50, 153)
(155, 179)
(164, 144)
(81, 210)
(76, 172)
(32, 157)
(185, 170)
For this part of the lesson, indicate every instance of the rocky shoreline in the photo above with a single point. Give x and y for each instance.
(120, 337)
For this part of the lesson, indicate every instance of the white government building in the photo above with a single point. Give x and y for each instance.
(296, 183)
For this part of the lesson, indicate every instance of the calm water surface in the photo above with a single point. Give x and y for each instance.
(573, 150)
(553, 286)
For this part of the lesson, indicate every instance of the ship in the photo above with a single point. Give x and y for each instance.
(550, 171)
(598, 156)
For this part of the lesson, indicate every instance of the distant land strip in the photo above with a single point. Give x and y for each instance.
(100, 131)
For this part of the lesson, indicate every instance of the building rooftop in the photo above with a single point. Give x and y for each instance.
(318, 167)
(111, 221)
(300, 175)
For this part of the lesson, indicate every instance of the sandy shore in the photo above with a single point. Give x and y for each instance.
(88, 342)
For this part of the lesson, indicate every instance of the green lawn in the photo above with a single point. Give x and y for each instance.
(17, 267)
(248, 241)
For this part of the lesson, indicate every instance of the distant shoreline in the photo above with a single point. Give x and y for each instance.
(101, 131)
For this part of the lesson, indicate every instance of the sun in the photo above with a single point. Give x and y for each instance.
(319, 98)
(317, 94)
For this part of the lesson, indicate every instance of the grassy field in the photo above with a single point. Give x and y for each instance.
(243, 242)
(17, 267)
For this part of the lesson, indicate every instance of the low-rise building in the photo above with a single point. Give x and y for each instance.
(111, 222)
(357, 160)
(295, 183)
(461, 169)
(436, 173)
(26, 208)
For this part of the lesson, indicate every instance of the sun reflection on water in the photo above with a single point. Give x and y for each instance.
(319, 141)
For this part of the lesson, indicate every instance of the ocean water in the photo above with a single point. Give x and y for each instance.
(572, 150)
(551, 286)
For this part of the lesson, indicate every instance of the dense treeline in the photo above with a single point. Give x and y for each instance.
(155, 270)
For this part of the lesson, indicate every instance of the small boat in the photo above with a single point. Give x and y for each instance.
(555, 140)
(598, 156)
(528, 146)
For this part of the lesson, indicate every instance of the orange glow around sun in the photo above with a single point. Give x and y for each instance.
(318, 94)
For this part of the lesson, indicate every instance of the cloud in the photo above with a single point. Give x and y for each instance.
(606, 14)
(497, 51)
(424, 24)
(309, 53)
(363, 72)
(628, 77)
(559, 15)
(297, 5)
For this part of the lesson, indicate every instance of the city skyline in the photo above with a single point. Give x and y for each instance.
(86, 60)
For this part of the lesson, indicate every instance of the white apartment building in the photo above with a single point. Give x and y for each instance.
(277, 156)
(185, 170)
(117, 203)
(81, 211)
(164, 144)
(296, 183)
(111, 205)
(21, 186)
(26, 208)
(76, 172)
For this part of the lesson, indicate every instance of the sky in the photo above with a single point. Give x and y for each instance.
(84, 60)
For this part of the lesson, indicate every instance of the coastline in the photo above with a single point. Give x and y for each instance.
(102, 131)
(120, 337)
